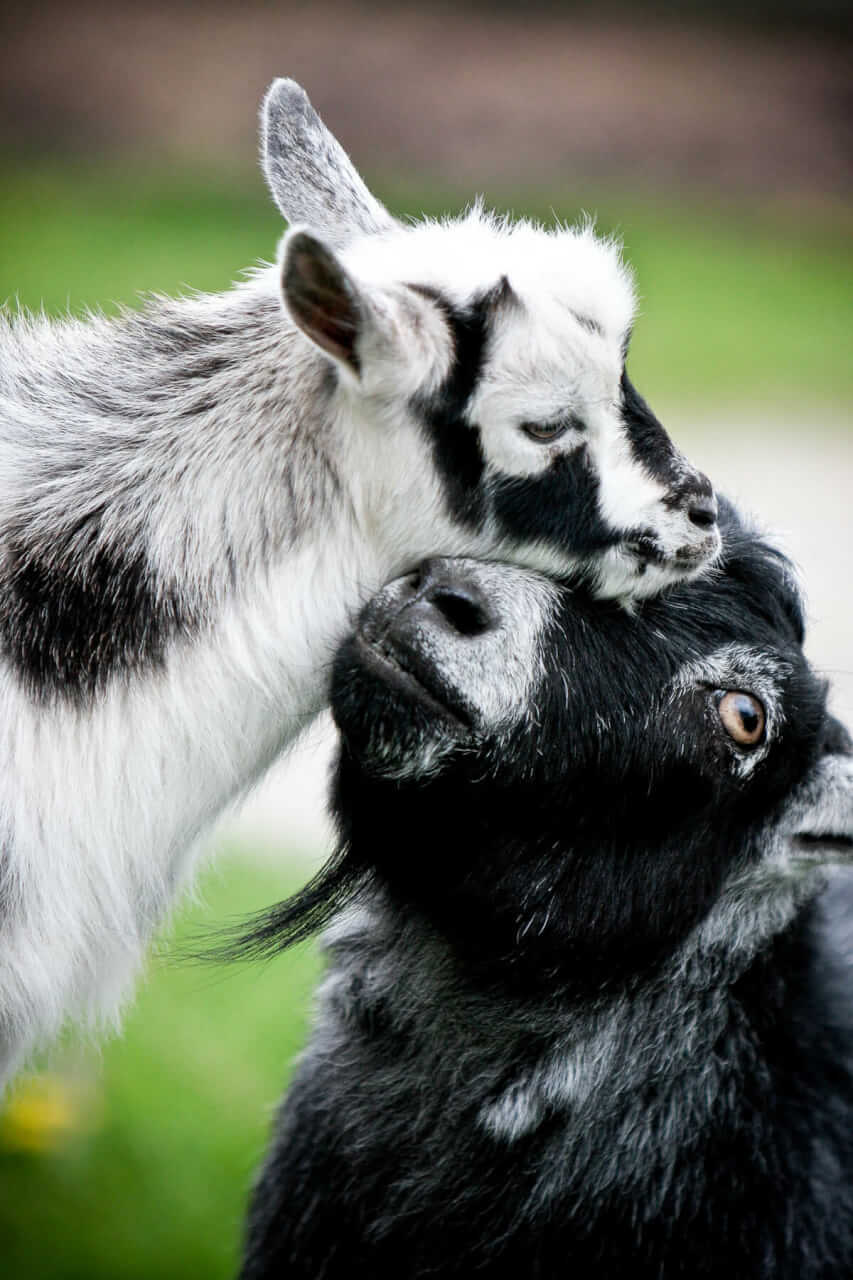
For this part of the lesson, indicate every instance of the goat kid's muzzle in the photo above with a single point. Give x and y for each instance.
(690, 537)
(697, 503)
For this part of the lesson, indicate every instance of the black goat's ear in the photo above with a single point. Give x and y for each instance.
(323, 299)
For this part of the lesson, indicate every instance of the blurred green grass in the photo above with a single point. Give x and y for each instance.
(153, 1177)
(740, 308)
(746, 307)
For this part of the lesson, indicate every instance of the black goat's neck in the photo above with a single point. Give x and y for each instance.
(528, 901)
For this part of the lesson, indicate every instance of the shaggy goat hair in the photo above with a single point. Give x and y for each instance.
(196, 499)
(589, 1007)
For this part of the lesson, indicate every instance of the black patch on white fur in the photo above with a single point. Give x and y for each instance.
(71, 623)
(559, 506)
(456, 445)
(650, 444)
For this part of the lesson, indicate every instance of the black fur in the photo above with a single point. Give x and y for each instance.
(529, 945)
(653, 448)
(649, 442)
(455, 440)
(561, 504)
(77, 614)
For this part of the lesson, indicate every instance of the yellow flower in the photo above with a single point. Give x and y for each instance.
(41, 1115)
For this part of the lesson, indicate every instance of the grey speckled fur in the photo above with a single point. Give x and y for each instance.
(300, 155)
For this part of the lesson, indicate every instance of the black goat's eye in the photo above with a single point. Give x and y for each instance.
(742, 716)
(545, 432)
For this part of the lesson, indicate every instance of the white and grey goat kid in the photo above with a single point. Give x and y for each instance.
(195, 499)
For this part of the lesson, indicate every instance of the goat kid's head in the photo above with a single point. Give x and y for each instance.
(563, 782)
(500, 347)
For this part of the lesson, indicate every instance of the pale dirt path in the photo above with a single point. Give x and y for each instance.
(796, 480)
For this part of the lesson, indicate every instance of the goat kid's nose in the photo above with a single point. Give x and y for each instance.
(702, 511)
(695, 497)
(441, 594)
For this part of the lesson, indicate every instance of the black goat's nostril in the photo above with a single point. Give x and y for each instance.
(702, 512)
(446, 593)
(464, 613)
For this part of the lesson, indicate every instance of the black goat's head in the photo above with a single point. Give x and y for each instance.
(563, 784)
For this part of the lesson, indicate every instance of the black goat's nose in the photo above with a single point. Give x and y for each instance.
(460, 610)
(444, 593)
(702, 511)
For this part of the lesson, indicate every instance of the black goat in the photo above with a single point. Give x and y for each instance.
(590, 1008)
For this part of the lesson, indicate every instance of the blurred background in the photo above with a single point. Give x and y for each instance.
(715, 138)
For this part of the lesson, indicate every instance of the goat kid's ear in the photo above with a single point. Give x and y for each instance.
(323, 299)
(311, 177)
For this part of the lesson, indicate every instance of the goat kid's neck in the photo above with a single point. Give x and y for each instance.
(201, 434)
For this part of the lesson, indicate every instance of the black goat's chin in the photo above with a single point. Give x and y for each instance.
(409, 674)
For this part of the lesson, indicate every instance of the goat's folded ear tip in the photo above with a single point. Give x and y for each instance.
(300, 238)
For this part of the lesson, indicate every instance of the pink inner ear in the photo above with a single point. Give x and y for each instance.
(323, 300)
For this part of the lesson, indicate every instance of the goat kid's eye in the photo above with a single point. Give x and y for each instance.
(545, 432)
(742, 716)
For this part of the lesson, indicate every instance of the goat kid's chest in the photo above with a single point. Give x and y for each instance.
(600, 1111)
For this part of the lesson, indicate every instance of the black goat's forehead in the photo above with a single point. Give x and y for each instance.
(750, 603)
(754, 586)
